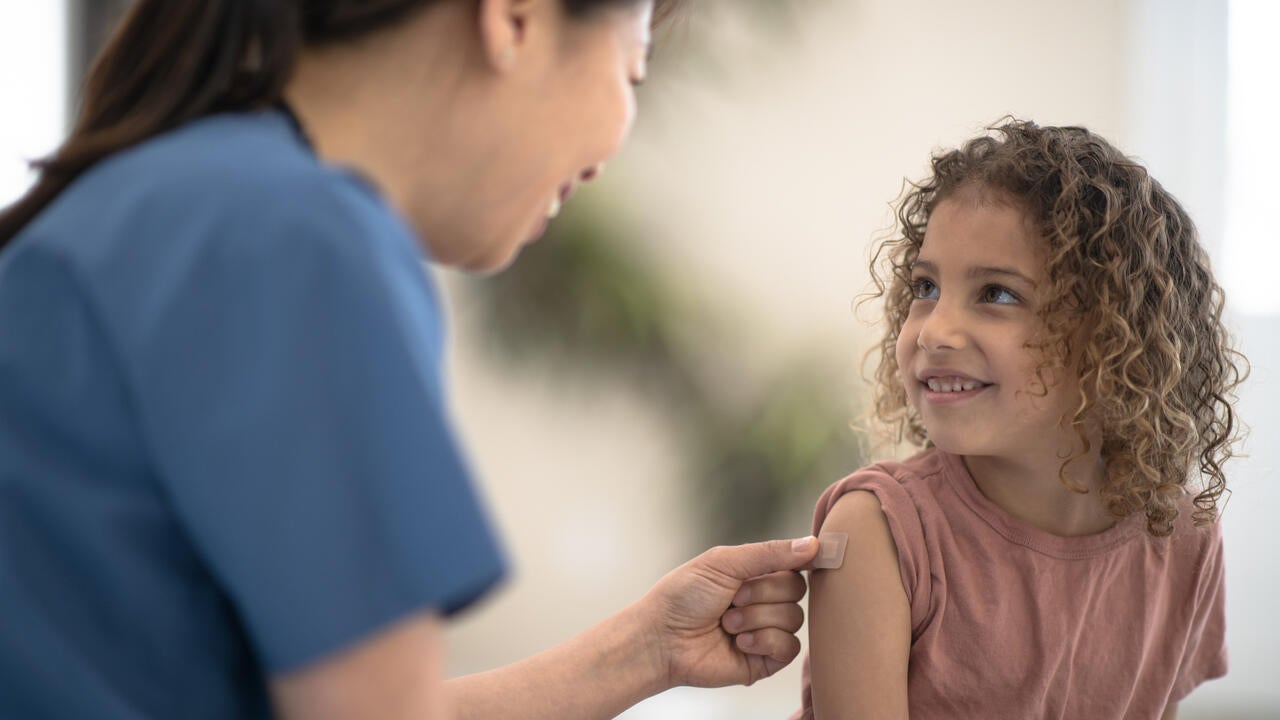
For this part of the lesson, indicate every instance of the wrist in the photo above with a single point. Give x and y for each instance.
(640, 627)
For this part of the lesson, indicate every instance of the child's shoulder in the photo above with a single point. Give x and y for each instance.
(902, 486)
(1189, 543)
(910, 497)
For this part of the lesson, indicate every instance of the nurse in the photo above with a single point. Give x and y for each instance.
(229, 486)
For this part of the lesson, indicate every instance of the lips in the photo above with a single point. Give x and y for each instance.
(952, 384)
(558, 200)
(945, 381)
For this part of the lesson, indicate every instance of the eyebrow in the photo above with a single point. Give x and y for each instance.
(978, 271)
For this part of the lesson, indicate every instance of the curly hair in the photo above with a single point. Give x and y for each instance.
(1131, 303)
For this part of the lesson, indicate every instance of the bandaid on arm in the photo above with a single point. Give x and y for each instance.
(830, 551)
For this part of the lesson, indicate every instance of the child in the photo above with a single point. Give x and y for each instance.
(1055, 343)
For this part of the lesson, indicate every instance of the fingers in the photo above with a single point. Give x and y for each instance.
(783, 616)
(777, 645)
(784, 586)
(765, 632)
(748, 561)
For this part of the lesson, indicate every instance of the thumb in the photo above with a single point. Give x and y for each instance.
(752, 560)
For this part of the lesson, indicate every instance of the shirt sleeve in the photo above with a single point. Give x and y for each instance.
(1205, 657)
(288, 374)
(905, 526)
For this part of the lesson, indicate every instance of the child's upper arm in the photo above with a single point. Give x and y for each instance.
(859, 619)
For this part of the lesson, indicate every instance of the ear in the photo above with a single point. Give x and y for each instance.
(504, 30)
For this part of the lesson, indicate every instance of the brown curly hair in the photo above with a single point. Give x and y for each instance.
(1128, 276)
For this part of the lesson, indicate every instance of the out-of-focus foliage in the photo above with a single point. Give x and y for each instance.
(766, 462)
(585, 301)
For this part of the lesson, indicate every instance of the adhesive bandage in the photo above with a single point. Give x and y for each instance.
(830, 551)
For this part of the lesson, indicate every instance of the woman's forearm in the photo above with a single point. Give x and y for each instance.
(671, 636)
(597, 674)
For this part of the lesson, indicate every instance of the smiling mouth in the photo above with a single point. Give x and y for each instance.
(948, 385)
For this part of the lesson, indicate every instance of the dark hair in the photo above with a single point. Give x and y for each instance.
(1131, 299)
(172, 62)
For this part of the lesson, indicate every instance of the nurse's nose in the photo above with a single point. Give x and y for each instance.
(943, 328)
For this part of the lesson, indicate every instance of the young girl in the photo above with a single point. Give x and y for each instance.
(1055, 343)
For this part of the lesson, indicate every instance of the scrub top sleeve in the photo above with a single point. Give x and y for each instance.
(289, 384)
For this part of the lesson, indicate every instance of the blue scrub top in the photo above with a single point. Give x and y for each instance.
(224, 446)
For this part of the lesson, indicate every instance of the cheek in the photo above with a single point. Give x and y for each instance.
(616, 116)
(605, 108)
(904, 351)
(1049, 392)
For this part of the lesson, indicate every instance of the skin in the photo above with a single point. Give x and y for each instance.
(482, 114)
(537, 101)
(976, 283)
(860, 621)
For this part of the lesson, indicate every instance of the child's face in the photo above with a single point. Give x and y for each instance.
(963, 348)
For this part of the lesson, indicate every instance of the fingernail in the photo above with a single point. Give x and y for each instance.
(746, 640)
(742, 597)
(803, 544)
(733, 620)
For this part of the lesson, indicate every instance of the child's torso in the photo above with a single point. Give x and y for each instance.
(1011, 621)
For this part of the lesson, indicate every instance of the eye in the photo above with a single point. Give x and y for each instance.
(998, 295)
(924, 289)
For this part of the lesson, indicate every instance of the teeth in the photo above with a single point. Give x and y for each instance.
(554, 209)
(947, 385)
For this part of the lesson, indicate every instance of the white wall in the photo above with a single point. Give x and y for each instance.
(33, 85)
(759, 179)
(1202, 108)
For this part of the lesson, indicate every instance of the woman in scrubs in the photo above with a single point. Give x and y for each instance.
(229, 486)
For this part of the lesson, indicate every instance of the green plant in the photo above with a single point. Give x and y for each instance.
(757, 454)
(586, 301)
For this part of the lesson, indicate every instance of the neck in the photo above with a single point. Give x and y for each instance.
(365, 106)
(1032, 491)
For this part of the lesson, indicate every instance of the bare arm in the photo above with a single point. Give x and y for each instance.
(398, 673)
(680, 633)
(597, 674)
(860, 620)
(672, 636)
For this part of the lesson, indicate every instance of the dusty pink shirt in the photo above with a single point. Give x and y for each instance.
(1009, 621)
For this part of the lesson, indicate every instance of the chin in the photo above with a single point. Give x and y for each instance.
(493, 263)
(956, 442)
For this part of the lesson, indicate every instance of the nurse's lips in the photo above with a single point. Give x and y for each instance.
(553, 209)
(560, 198)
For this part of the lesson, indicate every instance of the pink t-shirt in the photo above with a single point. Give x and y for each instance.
(1009, 621)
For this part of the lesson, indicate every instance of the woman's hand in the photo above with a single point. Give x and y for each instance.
(726, 617)
(730, 615)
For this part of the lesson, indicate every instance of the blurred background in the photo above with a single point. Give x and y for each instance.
(677, 364)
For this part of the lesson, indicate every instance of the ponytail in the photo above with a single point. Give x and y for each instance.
(168, 63)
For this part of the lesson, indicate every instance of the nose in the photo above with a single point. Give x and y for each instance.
(592, 172)
(943, 328)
